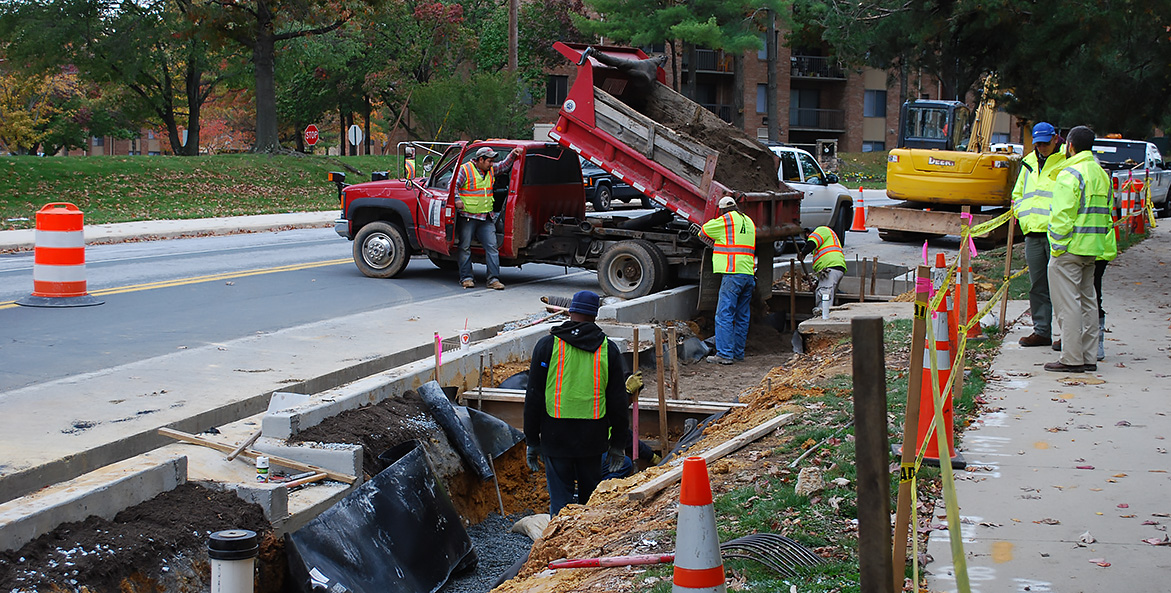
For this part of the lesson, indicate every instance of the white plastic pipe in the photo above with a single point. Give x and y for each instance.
(233, 560)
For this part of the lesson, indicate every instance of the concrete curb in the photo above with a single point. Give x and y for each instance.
(103, 493)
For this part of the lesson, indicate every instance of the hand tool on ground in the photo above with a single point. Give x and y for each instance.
(244, 445)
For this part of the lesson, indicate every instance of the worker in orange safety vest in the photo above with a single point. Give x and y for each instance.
(829, 264)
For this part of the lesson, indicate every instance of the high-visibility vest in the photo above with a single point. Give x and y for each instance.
(1079, 219)
(410, 166)
(829, 250)
(1033, 191)
(575, 386)
(476, 190)
(734, 235)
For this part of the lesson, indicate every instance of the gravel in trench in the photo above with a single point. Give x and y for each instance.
(497, 549)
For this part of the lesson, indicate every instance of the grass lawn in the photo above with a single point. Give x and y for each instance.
(866, 169)
(128, 188)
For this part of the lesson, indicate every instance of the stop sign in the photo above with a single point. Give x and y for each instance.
(311, 135)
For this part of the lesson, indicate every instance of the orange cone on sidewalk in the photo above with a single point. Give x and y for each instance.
(947, 305)
(943, 363)
(698, 564)
(859, 223)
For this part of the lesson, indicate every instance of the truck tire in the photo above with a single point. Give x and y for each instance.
(843, 220)
(380, 250)
(631, 269)
(603, 196)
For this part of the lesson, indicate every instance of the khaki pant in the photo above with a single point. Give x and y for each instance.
(1075, 307)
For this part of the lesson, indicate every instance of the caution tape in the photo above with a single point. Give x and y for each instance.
(989, 225)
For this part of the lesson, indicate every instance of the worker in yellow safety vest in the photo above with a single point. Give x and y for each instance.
(1080, 232)
(474, 201)
(409, 161)
(829, 264)
(575, 405)
(732, 236)
(1030, 204)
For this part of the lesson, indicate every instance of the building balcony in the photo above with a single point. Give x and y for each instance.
(818, 120)
(815, 67)
(723, 111)
(710, 61)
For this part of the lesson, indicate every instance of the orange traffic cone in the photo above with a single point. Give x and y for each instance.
(698, 564)
(927, 399)
(859, 224)
(970, 307)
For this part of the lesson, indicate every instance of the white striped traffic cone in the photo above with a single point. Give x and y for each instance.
(59, 259)
(698, 564)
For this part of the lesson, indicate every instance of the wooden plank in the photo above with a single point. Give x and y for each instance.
(709, 171)
(660, 364)
(664, 480)
(685, 150)
(253, 454)
(894, 218)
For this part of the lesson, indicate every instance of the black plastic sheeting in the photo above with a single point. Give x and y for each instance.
(398, 532)
(517, 381)
(494, 435)
(460, 433)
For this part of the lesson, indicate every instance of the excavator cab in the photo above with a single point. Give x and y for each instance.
(942, 125)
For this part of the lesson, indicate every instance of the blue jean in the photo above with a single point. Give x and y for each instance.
(565, 475)
(485, 232)
(732, 315)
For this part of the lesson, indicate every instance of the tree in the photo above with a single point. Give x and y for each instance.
(482, 105)
(540, 25)
(1071, 62)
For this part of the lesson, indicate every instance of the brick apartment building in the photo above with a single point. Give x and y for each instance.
(856, 109)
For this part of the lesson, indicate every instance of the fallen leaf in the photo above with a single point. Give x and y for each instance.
(1160, 515)
(1086, 538)
(1097, 489)
(1127, 516)
(1085, 467)
(1122, 423)
(1123, 506)
(1119, 475)
(1048, 521)
(1159, 541)
(1150, 522)
(841, 481)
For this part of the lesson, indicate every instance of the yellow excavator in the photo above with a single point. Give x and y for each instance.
(943, 162)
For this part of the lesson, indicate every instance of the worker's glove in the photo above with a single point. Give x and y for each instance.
(617, 459)
(531, 455)
(634, 383)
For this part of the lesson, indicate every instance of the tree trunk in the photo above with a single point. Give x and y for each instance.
(774, 121)
(367, 142)
(194, 105)
(267, 138)
(674, 65)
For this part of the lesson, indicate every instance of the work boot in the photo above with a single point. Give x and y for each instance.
(717, 359)
(469, 283)
(1035, 340)
(1057, 345)
(1089, 368)
(1059, 367)
(495, 284)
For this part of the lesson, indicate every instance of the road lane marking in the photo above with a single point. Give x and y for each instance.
(199, 279)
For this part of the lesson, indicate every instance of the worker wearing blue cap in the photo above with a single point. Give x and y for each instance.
(1031, 198)
(575, 405)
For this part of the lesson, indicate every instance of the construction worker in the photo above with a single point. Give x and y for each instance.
(575, 405)
(409, 161)
(474, 201)
(1030, 204)
(733, 239)
(829, 263)
(1080, 232)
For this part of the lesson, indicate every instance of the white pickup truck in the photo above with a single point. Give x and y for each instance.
(1136, 159)
(826, 202)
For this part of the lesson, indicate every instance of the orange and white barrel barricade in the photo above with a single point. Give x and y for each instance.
(943, 362)
(59, 259)
(698, 564)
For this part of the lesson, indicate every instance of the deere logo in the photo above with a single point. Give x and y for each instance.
(940, 162)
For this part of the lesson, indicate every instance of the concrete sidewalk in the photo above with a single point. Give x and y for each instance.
(25, 239)
(1069, 473)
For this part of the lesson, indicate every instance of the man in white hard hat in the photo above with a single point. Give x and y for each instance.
(474, 200)
(733, 238)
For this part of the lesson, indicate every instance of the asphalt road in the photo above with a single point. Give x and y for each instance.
(167, 296)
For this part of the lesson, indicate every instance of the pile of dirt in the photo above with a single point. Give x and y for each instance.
(158, 545)
(395, 420)
(804, 282)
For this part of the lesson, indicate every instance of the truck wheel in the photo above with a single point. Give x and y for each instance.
(602, 198)
(630, 269)
(380, 250)
(843, 221)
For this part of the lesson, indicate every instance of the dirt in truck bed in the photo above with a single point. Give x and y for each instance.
(744, 164)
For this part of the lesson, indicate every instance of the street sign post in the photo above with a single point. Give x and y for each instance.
(354, 134)
(311, 135)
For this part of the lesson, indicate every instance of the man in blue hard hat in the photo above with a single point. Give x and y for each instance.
(1031, 198)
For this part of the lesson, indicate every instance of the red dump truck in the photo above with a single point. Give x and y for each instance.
(540, 203)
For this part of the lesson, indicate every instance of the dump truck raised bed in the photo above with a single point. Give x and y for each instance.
(681, 156)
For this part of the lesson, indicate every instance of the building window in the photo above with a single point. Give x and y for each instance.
(874, 104)
(150, 134)
(556, 89)
(873, 146)
(762, 98)
(99, 141)
(999, 138)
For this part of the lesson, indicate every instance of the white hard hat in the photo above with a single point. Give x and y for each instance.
(727, 202)
(485, 152)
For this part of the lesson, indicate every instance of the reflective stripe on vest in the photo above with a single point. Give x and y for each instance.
(829, 250)
(1034, 191)
(1092, 217)
(476, 190)
(575, 386)
(734, 235)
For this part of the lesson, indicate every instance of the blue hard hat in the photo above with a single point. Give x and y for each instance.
(1043, 132)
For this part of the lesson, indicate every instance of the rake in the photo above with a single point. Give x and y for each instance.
(777, 552)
